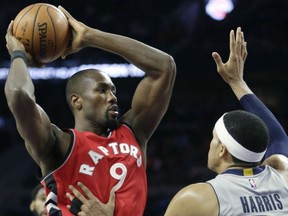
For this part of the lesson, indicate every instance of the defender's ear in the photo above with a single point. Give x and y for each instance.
(32, 206)
(223, 150)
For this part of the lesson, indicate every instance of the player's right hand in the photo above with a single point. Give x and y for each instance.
(13, 44)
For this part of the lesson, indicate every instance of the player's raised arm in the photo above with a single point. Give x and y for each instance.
(32, 122)
(153, 93)
(232, 73)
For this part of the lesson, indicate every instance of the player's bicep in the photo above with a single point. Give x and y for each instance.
(193, 200)
(182, 204)
(278, 162)
(149, 104)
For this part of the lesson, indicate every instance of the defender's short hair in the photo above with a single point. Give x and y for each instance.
(244, 134)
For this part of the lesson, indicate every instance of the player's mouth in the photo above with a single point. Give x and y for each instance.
(113, 110)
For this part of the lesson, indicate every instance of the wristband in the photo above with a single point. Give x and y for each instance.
(75, 206)
(19, 54)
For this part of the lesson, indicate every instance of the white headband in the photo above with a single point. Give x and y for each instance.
(236, 149)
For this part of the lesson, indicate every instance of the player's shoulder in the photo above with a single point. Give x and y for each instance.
(198, 191)
(278, 162)
(61, 133)
(199, 198)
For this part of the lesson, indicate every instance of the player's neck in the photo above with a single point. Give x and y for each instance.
(237, 166)
(95, 130)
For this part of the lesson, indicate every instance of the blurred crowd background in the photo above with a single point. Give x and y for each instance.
(177, 153)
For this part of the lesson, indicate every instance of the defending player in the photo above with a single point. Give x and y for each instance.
(243, 185)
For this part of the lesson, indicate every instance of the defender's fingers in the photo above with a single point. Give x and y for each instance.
(85, 211)
(245, 52)
(232, 41)
(112, 197)
(86, 191)
(69, 196)
(77, 194)
(239, 41)
(217, 58)
(243, 45)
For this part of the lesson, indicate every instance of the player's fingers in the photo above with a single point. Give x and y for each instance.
(243, 45)
(239, 38)
(83, 214)
(70, 50)
(69, 196)
(66, 52)
(85, 211)
(77, 194)
(86, 190)
(68, 206)
(217, 58)
(242, 37)
(245, 52)
(9, 29)
(8, 34)
(232, 41)
(112, 197)
(67, 14)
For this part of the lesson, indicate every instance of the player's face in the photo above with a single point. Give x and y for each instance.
(38, 205)
(213, 155)
(100, 102)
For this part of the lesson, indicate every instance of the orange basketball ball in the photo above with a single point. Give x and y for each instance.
(44, 30)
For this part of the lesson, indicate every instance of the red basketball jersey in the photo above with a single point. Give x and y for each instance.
(101, 163)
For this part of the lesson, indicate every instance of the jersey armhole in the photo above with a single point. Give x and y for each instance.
(72, 134)
(127, 125)
(131, 130)
(215, 196)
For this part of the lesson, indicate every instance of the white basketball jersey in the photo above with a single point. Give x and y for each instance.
(258, 191)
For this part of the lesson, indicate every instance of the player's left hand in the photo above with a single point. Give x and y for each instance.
(232, 70)
(91, 206)
(78, 31)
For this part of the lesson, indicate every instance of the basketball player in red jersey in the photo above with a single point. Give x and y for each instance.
(104, 151)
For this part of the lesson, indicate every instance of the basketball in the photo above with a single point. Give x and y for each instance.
(44, 31)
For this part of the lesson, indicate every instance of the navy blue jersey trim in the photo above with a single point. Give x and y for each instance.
(240, 172)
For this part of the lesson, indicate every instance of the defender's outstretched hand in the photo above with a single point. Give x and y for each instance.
(232, 70)
(91, 206)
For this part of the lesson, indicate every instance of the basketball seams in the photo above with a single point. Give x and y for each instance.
(54, 31)
(33, 29)
(20, 19)
(45, 31)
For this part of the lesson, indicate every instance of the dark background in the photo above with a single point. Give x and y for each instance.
(177, 153)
